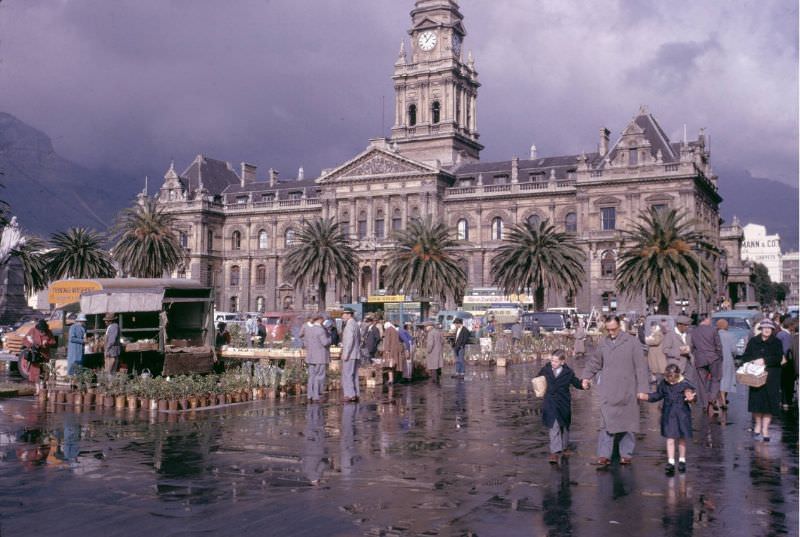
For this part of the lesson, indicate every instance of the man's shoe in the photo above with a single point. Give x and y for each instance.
(765, 438)
(553, 458)
(669, 469)
(682, 467)
(602, 462)
(626, 461)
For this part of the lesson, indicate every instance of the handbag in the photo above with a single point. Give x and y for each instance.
(539, 385)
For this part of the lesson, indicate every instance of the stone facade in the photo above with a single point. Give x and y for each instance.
(790, 275)
(236, 227)
(762, 248)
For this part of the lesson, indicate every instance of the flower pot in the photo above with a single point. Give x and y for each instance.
(153, 404)
(193, 402)
(272, 393)
(221, 399)
(173, 405)
(235, 397)
(133, 402)
(184, 404)
(162, 404)
(254, 394)
(88, 399)
(119, 402)
(108, 401)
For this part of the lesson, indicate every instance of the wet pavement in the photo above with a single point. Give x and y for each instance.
(466, 458)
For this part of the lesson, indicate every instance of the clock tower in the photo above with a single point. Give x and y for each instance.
(436, 91)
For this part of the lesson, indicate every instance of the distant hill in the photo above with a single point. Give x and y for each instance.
(49, 193)
(761, 201)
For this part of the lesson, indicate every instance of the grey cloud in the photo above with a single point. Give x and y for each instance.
(673, 65)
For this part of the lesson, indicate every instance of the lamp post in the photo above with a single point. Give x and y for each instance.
(696, 250)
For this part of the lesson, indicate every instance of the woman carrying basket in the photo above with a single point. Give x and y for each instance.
(763, 402)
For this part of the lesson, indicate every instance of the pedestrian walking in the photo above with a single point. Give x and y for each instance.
(371, 339)
(787, 366)
(707, 359)
(434, 350)
(250, 330)
(580, 338)
(392, 350)
(557, 404)
(316, 342)
(764, 402)
(676, 414)
(459, 346)
(407, 340)
(623, 375)
(112, 347)
(77, 343)
(351, 353)
(727, 382)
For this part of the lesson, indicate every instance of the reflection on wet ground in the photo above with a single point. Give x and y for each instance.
(466, 458)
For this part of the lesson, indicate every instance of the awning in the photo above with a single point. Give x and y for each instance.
(122, 301)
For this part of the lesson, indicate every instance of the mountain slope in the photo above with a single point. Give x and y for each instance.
(49, 193)
(761, 201)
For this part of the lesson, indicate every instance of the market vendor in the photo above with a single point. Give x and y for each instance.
(113, 347)
(77, 340)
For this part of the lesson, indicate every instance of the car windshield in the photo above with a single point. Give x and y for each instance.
(736, 322)
(271, 320)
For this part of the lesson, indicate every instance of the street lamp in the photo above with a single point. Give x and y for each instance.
(696, 250)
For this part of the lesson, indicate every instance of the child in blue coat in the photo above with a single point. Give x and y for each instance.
(557, 406)
(676, 415)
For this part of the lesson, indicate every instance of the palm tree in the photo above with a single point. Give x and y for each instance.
(34, 267)
(78, 253)
(662, 255)
(425, 262)
(537, 257)
(321, 253)
(146, 245)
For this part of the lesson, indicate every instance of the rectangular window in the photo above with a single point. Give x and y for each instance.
(501, 179)
(362, 229)
(397, 223)
(609, 218)
(268, 197)
(241, 200)
(660, 207)
(380, 232)
(345, 227)
(295, 195)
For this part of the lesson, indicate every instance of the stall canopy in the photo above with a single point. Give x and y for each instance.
(122, 301)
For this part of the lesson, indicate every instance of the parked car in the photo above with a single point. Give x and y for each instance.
(278, 323)
(549, 321)
(741, 323)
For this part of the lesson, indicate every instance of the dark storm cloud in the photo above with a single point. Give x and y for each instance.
(284, 83)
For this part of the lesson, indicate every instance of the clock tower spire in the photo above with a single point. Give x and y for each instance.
(435, 90)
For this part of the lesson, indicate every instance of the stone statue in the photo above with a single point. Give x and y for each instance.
(10, 239)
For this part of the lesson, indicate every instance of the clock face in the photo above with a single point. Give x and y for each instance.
(427, 40)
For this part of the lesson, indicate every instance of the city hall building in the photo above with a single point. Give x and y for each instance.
(236, 223)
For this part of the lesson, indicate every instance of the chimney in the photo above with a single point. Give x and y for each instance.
(534, 153)
(604, 138)
(515, 170)
(248, 174)
(273, 177)
(301, 174)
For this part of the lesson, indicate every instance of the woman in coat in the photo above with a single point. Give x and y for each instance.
(727, 383)
(580, 339)
(392, 349)
(656, 359)
(765, 349)
(39, 340)
(434, 350)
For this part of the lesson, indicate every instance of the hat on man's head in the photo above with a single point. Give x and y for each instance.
(349, 311)
(457, 321)
(110, 317)
(369, 317)
(683, 319)
(80, 318)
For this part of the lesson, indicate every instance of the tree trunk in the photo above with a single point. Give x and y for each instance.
(538, 299)
(322, 290)
(663, 306)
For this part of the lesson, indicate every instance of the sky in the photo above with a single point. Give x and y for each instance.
(131, 84)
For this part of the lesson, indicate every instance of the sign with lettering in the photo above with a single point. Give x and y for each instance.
(65, 292)
(382, 299)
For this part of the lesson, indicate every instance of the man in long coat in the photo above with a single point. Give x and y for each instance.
(707, 358)
(351, 352)
(677, 347)
(392, 350)
(77, 340)
(434, 349)
(316, 342)
(622, 374)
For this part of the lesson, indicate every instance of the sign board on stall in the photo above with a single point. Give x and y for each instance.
(65, 292)
(382, 299)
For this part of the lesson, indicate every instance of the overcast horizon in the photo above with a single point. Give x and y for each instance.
(278, 83)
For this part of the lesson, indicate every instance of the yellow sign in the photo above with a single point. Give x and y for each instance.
(379, 299)
(65, 292)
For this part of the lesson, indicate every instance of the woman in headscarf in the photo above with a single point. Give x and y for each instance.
(39, 340)
(727, 383)
(764, 402)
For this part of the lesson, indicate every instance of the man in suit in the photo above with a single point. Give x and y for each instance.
(372, 338)
(316, 342)
(707, 358)
(460, 345)
(434, 346)
(677, 347)
(351, 352)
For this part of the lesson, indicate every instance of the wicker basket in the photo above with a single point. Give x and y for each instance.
(754, 381)
(539, 386)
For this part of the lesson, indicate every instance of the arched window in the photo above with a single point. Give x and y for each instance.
(380, 225)
(235, 276)
(289, 237)
(397, 220)
(234, 304)
(236, 241)
(260, 304)
(210, 241)
(436, 112)
(497, 229)
(608, 264)
(571, 222)
(463, 230)
(412, 115)
(362, 225)
(534, 221)
(263, 240)
(261, 275)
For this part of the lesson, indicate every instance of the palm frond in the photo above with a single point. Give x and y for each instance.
(78, 253)
(146, 244)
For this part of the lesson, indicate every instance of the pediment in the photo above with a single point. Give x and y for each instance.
(633, 130)
(426, 24)
(376, 163)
